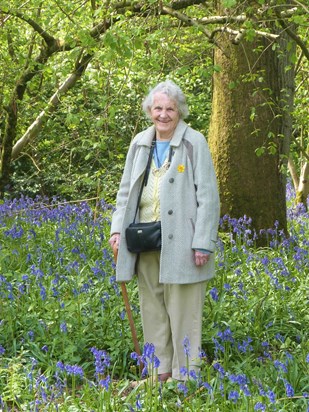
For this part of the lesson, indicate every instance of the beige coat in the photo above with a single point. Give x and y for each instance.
(189, 203)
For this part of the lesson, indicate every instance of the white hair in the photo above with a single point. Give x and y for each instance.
(173, 91)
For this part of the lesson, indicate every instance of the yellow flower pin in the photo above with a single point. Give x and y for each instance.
(181, 168)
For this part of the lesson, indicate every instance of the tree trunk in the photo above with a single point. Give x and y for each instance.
(303, 186)
(252, 99)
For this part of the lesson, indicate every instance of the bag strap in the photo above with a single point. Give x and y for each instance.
(146, 175)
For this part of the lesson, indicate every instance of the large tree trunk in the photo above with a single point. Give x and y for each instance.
(252, 99)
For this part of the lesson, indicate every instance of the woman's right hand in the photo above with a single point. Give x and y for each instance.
(114, 240)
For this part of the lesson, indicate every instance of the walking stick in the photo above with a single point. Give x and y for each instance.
(128, 309)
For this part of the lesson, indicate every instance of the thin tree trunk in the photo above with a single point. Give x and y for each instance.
(54, 101)
(303, 187)
(293, 173)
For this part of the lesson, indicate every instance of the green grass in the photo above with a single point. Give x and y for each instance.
(65, 342)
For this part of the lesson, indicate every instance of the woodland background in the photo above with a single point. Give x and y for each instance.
(73, 75)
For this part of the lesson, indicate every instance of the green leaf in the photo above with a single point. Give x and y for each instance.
(260, 151)
(232, 85)
(229, 3)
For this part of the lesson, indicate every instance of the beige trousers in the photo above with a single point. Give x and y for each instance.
(171, 314)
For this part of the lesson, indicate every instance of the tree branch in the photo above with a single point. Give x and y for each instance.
(301, 5)
(49, 40)
(294, 36)
(54, 101)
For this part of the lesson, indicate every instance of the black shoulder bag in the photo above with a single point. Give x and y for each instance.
(144, 237)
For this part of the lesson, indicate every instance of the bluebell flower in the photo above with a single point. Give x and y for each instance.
(147, 358)
(182, 388)
(233, 396)
(44, 348)
(271, 396)
(207, 386)
(218, 346)
(245, 346)
(288, 389)
(259, 406)
(280, 337)
(183, 371)
(219, 368)
(307, 358)
(193, 375)
(214, 294)
(63, 327)
(102, 360)
(2, 350)
(122, 314)
(239, 379)
(280, 366)
(246, 390)
(105, 382)
(42, 292)
(60, 365)
(186, 346)
(226, 335)
(138, 402)
(74, 370)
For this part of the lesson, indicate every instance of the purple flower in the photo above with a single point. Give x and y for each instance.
(288, 389)
(105, 382)
(207, 386)
(233, 396)
(193, 375)
(220, 369)
(60, 365)
(102, 361)
(239, 379)
(2, 350)
(147, 358)
(226, 335)
(271, 396)
(259, 406)
(70, 369)
(63, 327)
(184, 371)
(214, 294)
(186, 346)
(218, 346)
(279, 337)
(74, 370)
(245, 346)
(138, 402)
(280, 366)
(182, 388)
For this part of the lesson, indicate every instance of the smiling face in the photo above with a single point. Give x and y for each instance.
(165, 116)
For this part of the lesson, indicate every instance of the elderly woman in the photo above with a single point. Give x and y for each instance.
(181, 192)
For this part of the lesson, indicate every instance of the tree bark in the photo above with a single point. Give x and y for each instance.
(302, 191)
(251, 105)
(54, 101)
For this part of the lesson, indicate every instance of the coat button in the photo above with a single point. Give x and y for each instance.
(170, 236)
(170, 212)
(171, 180)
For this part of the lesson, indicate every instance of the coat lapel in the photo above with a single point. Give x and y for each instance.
(179, 132)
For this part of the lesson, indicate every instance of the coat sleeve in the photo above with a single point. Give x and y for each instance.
(123, 192)
(207, 197)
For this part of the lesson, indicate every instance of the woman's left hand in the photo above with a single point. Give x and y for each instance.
(201, 258)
